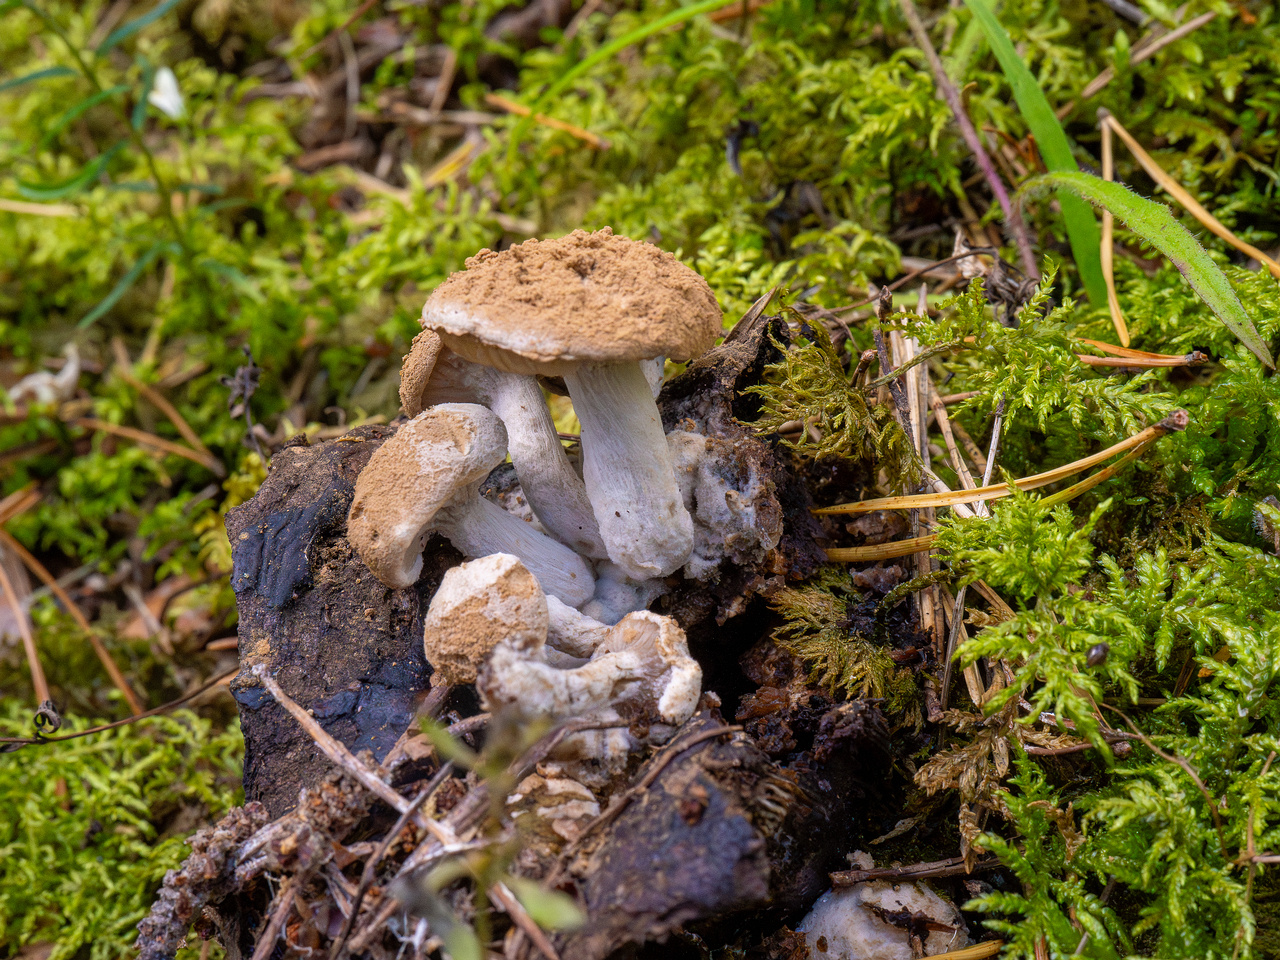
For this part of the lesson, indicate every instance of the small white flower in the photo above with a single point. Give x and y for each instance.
(165, 95)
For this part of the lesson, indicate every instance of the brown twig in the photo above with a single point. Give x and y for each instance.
(45, 714)
(206, 460)
(360, 11)
(520, 110)
(951, 867)
(1185, 765)
(915, 274)
(371, 865)
(524, 923)
(16, 742)
(284, 901)
(344, 758)
(124, 370)
(952, 96)
(135, 703)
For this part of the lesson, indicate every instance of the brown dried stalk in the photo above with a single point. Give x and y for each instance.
(949, 93)
(951, 867)
(1179, 194)
(136, 706)
(1175, 421)
(520, 110)
(206, 460)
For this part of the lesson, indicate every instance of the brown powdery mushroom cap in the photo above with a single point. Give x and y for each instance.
(410, 478)
(426, 478)
(478, 604)
(543, 306)
(415, 372)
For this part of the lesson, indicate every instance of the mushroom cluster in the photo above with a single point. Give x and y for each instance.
(547, 617)
(602, 313)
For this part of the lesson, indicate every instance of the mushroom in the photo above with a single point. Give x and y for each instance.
(477, 604)
(591, 307)
(640, 670)
(434, 374)
(426, 478)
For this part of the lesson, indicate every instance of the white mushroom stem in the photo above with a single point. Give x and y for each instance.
(478, 528)
(554, 490)
(628, 471)
(572, 632)
(535, 687)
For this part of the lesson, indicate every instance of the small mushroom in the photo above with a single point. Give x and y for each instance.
(426, 478)
(592, 307)
(479, 603)
(640, 670)
(434, 374)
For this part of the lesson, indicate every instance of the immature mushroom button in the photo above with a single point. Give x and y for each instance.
(426, 478)
(479, 603)
(591, 307)
(434, 374)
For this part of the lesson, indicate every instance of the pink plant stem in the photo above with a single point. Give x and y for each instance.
(949, 93)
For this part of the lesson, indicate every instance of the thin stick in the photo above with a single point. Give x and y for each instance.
(1194, 357)
(360, 11)
(154, 711)
(1143, 50)
(994, 449)
(953, 640)
(153, 396)
(208, 461)
(284, 901)
(38, 681)
(1174, 422)
(1179, 194)
(1185, 765)
(20, 501)
(951, 867)
(520, 917)
(979, 951)
(520, 110)
(135, 703)
(952, 96)
(339, 754)
(1108, 226)
(957, 461)
(371, 865)
(914, 274)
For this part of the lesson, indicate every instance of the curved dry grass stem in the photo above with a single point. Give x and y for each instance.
(998, 490)
(136, 706)
(1182, 197)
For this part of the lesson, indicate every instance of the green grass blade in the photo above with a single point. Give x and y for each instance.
(53, 191)
(1082, 226)
(674, 18)
(133, 26)
(123, 285)
(1155, 224)
(36, 75)
(75, 110)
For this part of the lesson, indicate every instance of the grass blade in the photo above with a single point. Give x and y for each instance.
(75, 110)
(674, 18)
(36, 75)
(1184, 198)
(122, 286)
(133, 26)
(1155, 224)
(52, 191)
(1082, 227)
